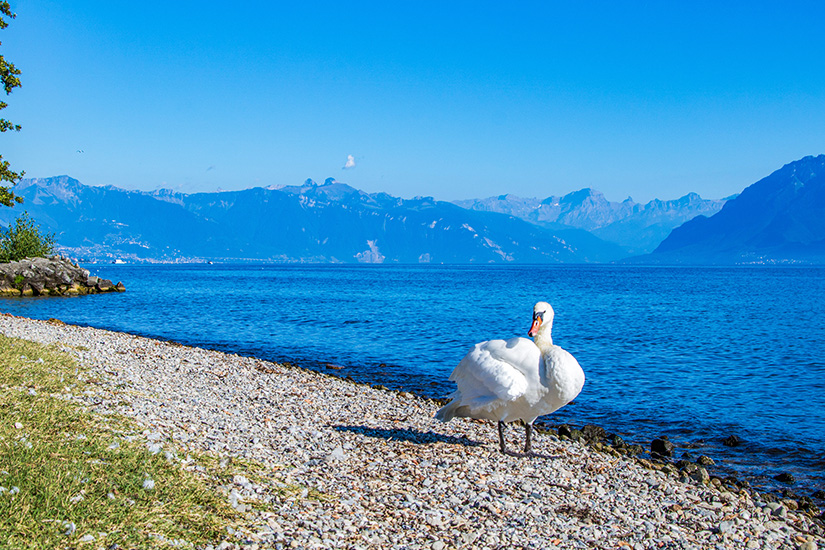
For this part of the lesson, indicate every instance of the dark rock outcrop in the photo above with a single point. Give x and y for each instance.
(55, 276)
(705, 460)
(661, 447)
(732, 441)
(785, 478)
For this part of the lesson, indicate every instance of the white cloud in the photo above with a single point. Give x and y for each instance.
(350, 162)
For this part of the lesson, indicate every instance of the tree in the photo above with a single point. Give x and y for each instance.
(8, 74)
(23, 240)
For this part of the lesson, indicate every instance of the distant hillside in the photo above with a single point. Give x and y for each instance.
(780, 218)
(638, 228)
(332, 222)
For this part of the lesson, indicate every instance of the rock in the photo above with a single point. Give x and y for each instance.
(337, 454)
(154, 448)
(788, 493)
(790, 504)
(662, 447)
(687, 467)
(732, 441)
(726, 527)
(593, 433)
(50, 277)
(785, 478)
(733, 481)
(103, 285)
(633, 450)
(701, 475)
(617, 441)
(705, 460)
(570, 433)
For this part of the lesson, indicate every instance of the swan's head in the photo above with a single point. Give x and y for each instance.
(542, 316)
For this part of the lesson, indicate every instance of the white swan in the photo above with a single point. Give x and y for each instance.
(515, 379)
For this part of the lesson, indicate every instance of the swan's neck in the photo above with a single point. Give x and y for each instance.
(543, 338)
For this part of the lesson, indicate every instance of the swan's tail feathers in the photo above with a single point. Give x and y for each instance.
(448, 411)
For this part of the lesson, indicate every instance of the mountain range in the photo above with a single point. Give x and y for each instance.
(638, 228)
(332, 222)
(778, 219)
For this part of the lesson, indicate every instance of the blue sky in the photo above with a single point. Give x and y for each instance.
(449, 99)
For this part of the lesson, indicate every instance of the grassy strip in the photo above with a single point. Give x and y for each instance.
(70, 478)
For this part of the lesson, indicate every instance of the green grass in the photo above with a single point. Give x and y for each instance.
(68, 470)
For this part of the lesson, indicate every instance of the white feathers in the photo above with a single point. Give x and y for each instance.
(514, 379)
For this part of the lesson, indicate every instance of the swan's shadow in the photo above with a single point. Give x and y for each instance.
(406, 434)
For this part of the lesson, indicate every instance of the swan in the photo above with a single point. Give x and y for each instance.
(515, 379)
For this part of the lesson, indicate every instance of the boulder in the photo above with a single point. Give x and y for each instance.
(593, 433)
(661, 447)
(785, 478)
(53, 276)
(700, 475)
(732, 441)
(566, 431)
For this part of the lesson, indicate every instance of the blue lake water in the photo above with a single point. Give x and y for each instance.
(696, 354)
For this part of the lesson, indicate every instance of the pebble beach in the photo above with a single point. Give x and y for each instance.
(378, 471)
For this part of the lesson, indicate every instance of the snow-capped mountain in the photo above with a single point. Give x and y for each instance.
(639, 228)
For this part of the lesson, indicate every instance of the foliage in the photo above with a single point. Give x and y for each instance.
(23, 239)
(8, 74)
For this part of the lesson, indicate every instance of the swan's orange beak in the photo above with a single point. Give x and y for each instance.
(534, 329)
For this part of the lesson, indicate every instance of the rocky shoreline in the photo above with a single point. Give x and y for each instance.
(54, 276)
(385, 474)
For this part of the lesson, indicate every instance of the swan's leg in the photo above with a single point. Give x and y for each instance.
(528, 444)
(501, 437)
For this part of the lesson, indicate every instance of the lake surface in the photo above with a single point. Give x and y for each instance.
(696, 354)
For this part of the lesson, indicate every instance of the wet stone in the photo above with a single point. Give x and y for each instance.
(732, 441)
(662, 447)
(785, 478)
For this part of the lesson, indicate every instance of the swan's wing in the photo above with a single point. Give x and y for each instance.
(495, 370)
(562, 375)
